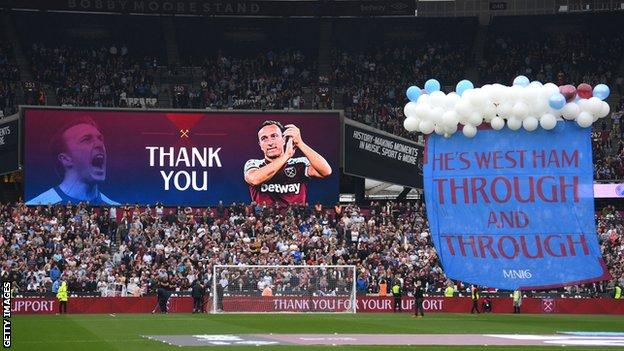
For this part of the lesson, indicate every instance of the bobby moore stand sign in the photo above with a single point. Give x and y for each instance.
(513, 209)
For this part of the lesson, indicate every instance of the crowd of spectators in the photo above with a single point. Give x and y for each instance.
(128, 250)
(373, 82)
(608, 146)
(100, 77)
(301, 281)
(268, 81)
(9, 78)
(368, 81)
(561, 58)
(610, 228)
(125, 250)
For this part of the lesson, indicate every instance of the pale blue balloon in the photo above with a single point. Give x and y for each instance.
(432, 85)
(601, 91)
(557, 101)
(521, 81)
(413, 93)
(462, 86)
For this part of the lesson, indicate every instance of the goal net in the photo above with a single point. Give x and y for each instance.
(256, 289)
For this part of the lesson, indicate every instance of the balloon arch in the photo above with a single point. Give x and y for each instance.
(525, 104)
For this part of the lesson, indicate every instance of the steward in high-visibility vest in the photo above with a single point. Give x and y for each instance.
(517, 300)
(449, 291)
(396, 292)
(475, 299)
(618, 292)
(61, 295)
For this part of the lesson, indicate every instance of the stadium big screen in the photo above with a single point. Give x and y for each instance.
(9, 143)
(176, 158)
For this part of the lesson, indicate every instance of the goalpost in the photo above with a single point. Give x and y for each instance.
(277, 289)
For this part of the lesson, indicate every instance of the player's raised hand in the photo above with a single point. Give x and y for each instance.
(290, 148)
(293, 132)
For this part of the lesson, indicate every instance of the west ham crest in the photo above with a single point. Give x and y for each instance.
(290, 172)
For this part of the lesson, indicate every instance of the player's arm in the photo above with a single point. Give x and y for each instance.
(319, 168)
(257, 176)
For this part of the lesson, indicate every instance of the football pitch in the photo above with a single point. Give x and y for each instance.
(136, 331)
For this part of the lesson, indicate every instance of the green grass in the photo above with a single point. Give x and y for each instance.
(123, 332)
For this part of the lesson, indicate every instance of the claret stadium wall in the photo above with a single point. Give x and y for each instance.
(278, 304)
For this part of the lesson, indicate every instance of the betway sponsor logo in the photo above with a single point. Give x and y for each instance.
(281, 188)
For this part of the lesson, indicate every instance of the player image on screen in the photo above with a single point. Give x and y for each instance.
(279, 177)
(80, 154)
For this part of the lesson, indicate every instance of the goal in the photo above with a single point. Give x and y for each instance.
(275, 289)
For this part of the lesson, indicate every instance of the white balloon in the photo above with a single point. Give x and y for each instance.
(514, 123)
(410, 109)
(486, 90)
(437, 98)
(514, 93)
(583, 104)
(426, 127)
(475, 119)
(556, 113)
(530, 123)
(423, 99)
(450, 118)
(467, 95)
(497, 93)
(451, 100)
(594, 105)
(531, 94)
(478, 98)
(548, 121)
(549, 89)
(539, 107)
(520, 110)
(422, 111)
(497, 123)
(604, 109)
(436, 114)
(439, 129)
(447, 135)
(469, 131)
(594, 118)
(463, 107)
(504, 110)
(489, 111)
(450, 129)
(570, 111)
(411, 124)
(585, 119)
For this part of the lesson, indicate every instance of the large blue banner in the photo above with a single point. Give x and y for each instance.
(514, 209)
